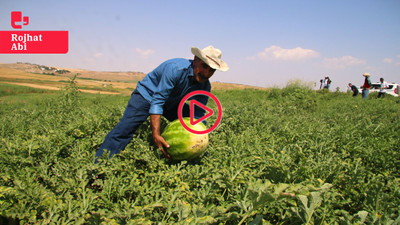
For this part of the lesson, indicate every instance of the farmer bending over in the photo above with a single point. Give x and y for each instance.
(354, 89)
(159, 94)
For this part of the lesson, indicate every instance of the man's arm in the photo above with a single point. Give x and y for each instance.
(155, 120)
(168, 80)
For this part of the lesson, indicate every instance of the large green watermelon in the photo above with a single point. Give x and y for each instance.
(185, 145)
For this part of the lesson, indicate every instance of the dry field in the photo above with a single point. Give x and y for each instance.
(38, 76)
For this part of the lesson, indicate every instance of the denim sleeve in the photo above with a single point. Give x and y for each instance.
(169, 76)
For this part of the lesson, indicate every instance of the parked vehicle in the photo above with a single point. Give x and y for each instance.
(393, 88)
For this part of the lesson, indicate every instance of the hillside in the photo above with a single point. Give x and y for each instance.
(68, 72)
(54, 78)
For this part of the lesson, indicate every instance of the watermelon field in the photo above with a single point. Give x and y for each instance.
(279, 156)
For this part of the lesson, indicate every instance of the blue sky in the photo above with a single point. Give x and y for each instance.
(265, 43)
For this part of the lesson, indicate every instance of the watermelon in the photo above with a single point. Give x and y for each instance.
(185, 145)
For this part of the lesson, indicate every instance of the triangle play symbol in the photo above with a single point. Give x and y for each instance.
(192, 119)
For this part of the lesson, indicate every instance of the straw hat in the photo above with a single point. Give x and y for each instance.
(211, 56)
(366, 75)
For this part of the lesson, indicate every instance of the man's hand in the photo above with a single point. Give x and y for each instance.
(161, 143)
(155, 128)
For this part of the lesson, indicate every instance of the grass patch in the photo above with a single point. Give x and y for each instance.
(13, 90)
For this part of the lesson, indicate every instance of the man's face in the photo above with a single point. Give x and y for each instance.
(202, 72)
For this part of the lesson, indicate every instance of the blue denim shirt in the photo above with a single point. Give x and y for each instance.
(167, 84)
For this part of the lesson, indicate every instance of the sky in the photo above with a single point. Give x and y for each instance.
(266, 43)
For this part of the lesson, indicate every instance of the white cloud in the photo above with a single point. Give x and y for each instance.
(387, 60)
(343, 62)
(145, 53)
(277, 53)
(98, 54)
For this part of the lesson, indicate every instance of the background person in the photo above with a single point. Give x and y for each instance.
(354, 89)
(382, 88)
(159, 94)
(366, 86)
(327, 83)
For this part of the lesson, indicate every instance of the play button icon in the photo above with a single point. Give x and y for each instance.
(209, 112)
(194, 103)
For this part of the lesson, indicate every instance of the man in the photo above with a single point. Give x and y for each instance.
(383, 86)
(159, 94)
(366, 86)
(354, 89)
(327, 83)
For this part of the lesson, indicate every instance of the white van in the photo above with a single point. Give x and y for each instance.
(393, 89)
